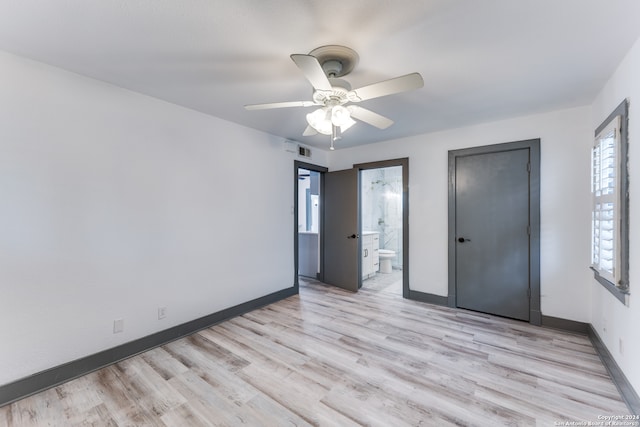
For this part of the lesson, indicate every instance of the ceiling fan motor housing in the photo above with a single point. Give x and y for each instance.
(336, 61)
(338, 94)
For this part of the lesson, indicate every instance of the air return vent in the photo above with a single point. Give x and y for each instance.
(294, 147)
(304, 151)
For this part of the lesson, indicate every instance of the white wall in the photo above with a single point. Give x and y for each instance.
(612, 320)
(565, 201)
(113, 204)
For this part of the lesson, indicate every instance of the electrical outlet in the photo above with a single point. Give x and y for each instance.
(162, 312)
(118, 326)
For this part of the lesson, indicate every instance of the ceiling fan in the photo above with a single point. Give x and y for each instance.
(323, 67)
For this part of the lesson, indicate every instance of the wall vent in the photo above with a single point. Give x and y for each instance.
(304, 151)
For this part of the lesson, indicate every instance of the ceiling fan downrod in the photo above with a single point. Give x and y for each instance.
(332, 68)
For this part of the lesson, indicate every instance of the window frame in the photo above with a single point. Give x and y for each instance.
(621, 213)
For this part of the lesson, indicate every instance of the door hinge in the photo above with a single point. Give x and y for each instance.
(528, 166)
(528, 230)
(529, 293)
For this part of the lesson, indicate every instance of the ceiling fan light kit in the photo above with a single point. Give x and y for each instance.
(322, 67)
(320, 120)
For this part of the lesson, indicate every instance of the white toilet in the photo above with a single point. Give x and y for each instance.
(386, 256)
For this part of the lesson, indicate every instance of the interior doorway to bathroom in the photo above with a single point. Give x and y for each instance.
(384, 225)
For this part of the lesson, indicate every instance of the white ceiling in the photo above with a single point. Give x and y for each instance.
(481, 60)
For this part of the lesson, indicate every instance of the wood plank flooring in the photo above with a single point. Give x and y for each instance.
(329, 357)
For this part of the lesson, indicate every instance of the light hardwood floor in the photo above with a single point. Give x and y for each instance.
(328, 357)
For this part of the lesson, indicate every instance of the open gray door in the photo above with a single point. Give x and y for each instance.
(492, 233)
(341, 239)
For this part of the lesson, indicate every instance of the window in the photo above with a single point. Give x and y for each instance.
(610, 194)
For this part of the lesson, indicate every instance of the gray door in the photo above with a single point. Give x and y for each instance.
(341, 240)
(492, 233)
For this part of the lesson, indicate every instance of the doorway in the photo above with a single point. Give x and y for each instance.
(381, 234)
(339, 225)
(308, 221)
(344, 255)
(384, 225)
(494, 244)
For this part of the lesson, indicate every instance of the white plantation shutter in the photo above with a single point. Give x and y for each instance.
(605, 243)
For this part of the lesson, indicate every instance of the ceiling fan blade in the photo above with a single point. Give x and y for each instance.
(279, 105)
(309, 131)
(387, 87)
(368, 116)
(312, 70)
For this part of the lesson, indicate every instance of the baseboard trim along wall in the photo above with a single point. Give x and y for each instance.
(428, 298)
(565, 324)
(52, 377)
(625, 388)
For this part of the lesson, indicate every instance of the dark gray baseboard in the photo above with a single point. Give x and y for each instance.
(52, 377)
(63, 373)
(565, 324)
(428, 298)
(625, 388)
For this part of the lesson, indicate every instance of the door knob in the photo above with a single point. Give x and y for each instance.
(462, 240)
(353, 236)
